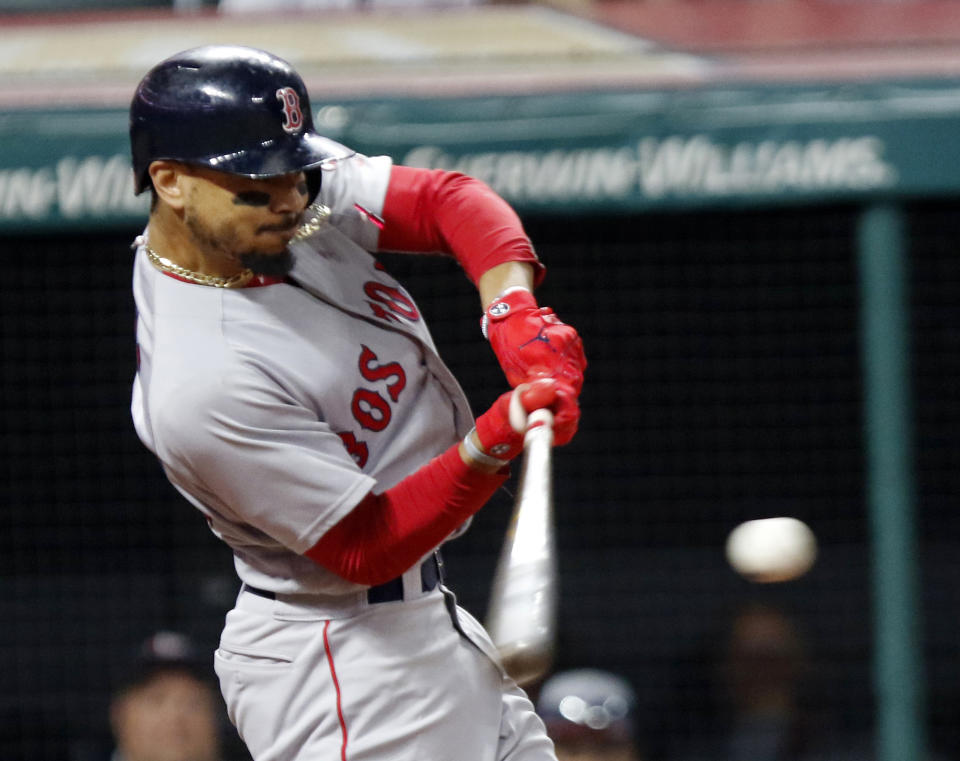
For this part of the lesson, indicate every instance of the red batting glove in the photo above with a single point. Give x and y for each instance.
(566, 414)
(531, 342)
(501, 439)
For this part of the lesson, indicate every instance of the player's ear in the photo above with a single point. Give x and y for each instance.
(166, 177)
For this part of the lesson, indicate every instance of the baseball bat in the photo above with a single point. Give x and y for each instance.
(521, 617)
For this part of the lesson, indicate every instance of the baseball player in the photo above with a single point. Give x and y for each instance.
(291, 391)
(590, 715)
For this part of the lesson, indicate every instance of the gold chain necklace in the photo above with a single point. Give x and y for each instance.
(317, 216)
(165, 265)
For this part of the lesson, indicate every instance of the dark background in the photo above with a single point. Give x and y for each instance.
(724, 384)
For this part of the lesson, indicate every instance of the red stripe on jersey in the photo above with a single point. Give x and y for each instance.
(434, 211)
(336, 685)
(378, 221)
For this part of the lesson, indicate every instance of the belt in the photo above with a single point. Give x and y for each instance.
(431, 574)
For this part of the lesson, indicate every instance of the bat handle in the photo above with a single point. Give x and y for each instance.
(523, 602)
(539, 425)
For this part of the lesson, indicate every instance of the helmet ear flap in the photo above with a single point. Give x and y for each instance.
(314, 180)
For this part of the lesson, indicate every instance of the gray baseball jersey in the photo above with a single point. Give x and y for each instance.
(275, 410)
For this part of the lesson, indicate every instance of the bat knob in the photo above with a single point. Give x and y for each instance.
(541, 417)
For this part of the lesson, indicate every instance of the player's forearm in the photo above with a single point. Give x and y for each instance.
(385, 534)
(499, 278)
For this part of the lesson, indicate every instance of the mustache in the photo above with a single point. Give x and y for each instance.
(289, 222)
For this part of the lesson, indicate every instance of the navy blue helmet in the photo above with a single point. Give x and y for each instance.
(589, 706)
(235, 109)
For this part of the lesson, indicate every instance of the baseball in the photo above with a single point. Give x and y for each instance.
(771, 549)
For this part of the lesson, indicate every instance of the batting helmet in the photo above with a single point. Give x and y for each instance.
(235, 109)
(163, 652)
(588, 705)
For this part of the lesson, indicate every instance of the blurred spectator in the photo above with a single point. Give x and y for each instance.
(166, 708)
(756, 703)
(764, 664)
(590, 716)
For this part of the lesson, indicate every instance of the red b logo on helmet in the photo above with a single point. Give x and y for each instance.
(292, 115)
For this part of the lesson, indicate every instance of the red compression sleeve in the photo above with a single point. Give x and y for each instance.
(434, 211)
(386, 534)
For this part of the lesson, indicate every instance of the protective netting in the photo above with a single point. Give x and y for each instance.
(724, 384)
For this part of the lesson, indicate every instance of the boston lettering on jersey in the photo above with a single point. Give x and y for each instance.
(369, 407)
(395, 300)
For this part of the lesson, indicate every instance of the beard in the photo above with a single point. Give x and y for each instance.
(268, 264)
(223, 240)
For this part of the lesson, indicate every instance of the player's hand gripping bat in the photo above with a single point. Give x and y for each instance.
(521, 618)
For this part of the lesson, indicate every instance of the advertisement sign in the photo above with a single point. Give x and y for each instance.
(563, 153)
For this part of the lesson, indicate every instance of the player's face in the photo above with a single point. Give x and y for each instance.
(170, 718)
(243, 219)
